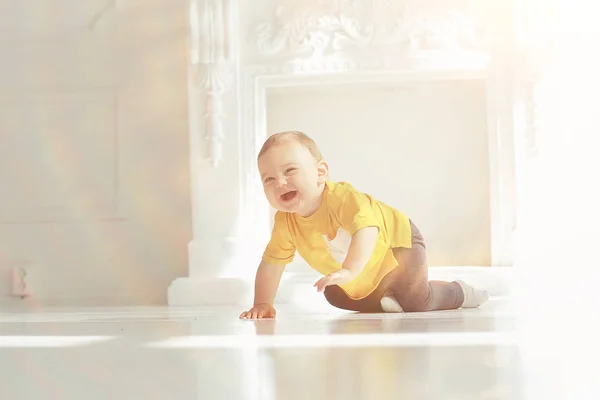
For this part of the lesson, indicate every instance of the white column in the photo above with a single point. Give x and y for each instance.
(214, 252)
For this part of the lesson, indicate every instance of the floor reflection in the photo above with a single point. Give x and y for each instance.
(210, 354)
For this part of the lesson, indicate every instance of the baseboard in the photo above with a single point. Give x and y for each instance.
(210, 292)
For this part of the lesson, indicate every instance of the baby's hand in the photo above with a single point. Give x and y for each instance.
(259, 311)
(336, 278)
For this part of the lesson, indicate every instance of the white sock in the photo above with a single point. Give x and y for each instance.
(390, 304)
(473, 297)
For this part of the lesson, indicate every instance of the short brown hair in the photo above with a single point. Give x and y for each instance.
(296, 136)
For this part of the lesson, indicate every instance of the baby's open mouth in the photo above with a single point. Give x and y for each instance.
(289, 195)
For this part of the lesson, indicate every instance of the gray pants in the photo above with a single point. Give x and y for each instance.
(408, 283)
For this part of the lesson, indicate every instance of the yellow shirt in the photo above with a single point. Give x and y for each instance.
(323, 238)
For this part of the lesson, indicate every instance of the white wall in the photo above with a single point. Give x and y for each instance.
(94, 170)
(420, 147)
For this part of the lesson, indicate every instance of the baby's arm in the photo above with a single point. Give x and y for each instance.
(266, 284)
(359, 253)
(361, 248)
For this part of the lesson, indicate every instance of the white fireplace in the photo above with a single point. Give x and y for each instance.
(421, 90)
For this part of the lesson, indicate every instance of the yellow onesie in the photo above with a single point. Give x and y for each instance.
(323, 238)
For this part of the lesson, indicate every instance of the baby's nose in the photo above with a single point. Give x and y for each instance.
(282, 181)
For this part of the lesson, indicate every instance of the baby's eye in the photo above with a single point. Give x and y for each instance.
(270, 179)
(291, 169)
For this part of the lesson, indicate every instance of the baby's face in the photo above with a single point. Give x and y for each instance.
(292, 178)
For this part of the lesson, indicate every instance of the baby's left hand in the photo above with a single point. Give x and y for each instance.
(336, 278)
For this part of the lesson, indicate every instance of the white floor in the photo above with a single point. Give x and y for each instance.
(210, 354)
(161, 353)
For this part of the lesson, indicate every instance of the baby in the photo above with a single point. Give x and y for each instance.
(371, 255)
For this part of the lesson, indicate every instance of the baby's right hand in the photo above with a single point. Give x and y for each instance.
(259, 311)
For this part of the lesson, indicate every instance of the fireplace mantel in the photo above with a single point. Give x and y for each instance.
(239, 50)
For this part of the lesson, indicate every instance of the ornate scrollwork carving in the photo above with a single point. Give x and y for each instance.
(211, 39)
(324, 29)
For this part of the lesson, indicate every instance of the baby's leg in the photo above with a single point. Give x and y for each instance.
(414, 292)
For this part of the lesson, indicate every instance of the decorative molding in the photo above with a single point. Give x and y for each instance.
(534, 42)
(536, 95)
(215, 79)
(328, 30)
(314, 32)
(530, 107)
(211, 40)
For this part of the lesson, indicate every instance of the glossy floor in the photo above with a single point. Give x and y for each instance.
(162, 353)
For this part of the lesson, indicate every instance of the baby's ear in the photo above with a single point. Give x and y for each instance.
(322, 171)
